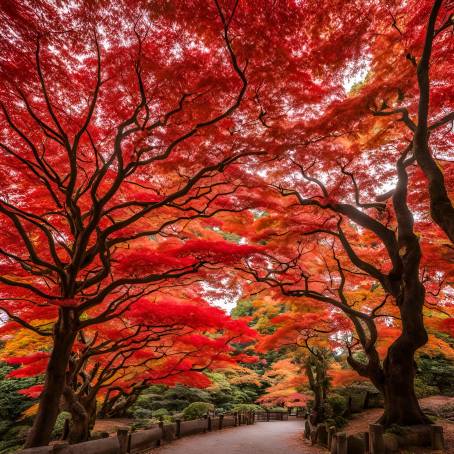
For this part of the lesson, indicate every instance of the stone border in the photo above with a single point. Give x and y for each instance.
(375, 441)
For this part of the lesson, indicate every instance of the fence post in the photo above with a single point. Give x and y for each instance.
(333, 448)
(366, 441)
(436, 437)
(267, 415)
(122, 435)
(221, 421)
(209, 424)
(366, 400)
(331, 432)
(307, 429)
(235, 419)
(341, 443)
(322, 434)
(161, 425)
(178, 428)
(377, 445)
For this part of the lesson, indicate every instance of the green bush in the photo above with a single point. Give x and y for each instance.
(13, 439)
(337, 405)
(340, 421)
(278, 409)
(142, 413)
(246, 407)
(423, 389)
(197, 410)
(436, 372)
(59, 425)
(12, 405)
(145, 423)
(160, 412)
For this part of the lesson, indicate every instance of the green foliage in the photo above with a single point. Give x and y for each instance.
(246, 407)
(337, 404)
(160, 412)
(12, 404)
(60, 424)
(278, 409)
(145, 423)
(13, 439)
(422, 389)
(222, 394)
(337, 421)
(173, 399)
(140, 413)
(243, 308)
(434, 375)
(13, 428)
(197, 410)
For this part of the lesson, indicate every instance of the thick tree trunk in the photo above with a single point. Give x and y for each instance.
(64, 334)
(401, 404)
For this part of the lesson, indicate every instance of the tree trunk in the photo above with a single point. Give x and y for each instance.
(91, 410)
(401, 404)
(83, 415)
(121, 404)
(64, 335)
(79, 425)
(316, 381)
(317, 413)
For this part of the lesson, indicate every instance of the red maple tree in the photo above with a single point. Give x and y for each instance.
(115, 136)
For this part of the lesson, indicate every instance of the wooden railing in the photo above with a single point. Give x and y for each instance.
(271, 416)
(128, 442)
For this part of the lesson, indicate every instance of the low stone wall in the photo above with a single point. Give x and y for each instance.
(127, 442)
(375, 441)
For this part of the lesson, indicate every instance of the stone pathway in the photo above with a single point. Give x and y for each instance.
(274, 437)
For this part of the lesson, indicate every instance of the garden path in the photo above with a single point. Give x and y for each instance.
(274, 437)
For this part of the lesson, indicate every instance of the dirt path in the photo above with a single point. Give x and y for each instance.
(274, 437)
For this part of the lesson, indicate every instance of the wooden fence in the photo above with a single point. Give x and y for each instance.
(374, 441)
(127, 442)
(271, 416)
